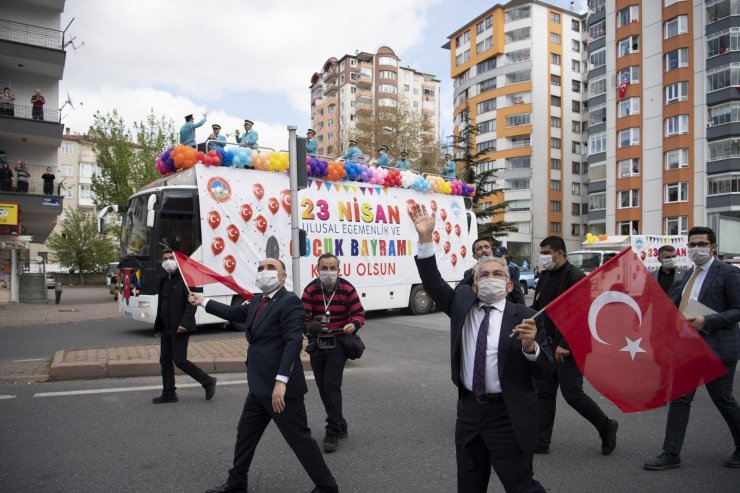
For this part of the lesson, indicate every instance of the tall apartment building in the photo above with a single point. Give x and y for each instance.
(355, 86)
(519, 71)
(664, 117)
(32, 45)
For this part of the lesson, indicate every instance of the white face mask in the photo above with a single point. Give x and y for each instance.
(491, 290)
(169, 265)
(267, 281)
(546, 262)
(328, 277)
(669, 263)
(700, 255)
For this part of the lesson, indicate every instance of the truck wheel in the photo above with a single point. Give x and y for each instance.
(523, 284)
(419, 302)
(239, 327)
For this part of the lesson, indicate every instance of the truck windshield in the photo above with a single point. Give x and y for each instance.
(135, 236)
(586, 261)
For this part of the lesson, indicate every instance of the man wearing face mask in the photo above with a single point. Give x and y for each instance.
(337, 300)
(496, 352)
(557, 276)
(274, 320)
(668, 274)
(175, 320)
(717, 286)
(483, 248)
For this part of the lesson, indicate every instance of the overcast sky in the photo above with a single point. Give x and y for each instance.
(240, 59)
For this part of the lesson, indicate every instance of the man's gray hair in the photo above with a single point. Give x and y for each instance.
(486, 260)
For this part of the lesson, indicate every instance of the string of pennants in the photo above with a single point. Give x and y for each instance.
(665, 240)
(347, 188)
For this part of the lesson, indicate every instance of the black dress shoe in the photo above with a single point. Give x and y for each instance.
(211, 389)
(734, 461)
(227, 488)
(542, 449)
(331, 443)
(663, 461)
(165, 398)
(609, 437)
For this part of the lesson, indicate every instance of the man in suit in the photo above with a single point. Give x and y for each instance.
(274, 320)
(558, 275)
(717, 286)
(493, 370)
(668, 274)
(483, 248)
(175, 320)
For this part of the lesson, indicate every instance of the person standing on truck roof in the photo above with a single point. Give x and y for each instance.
(559, 275)
(187, 131)
(668, 274)
(250, 137)
(383, 159)
(333, 303)
(449, 171)
(352, 152)
(311, 143)
(217, 137)
(173, 324)
(403, 163)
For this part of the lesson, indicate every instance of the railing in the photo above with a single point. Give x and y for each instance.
(32, 35)
(26, 112)
(35, 186)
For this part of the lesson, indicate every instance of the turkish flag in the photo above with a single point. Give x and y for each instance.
(196, 274)
(629, 339)
(623, 88)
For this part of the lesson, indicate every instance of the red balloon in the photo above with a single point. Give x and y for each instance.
(273, 205)
(285, 200)
(212, 153)
(443, 214)
(463, 251)
(448, 228)
(258, 190)
(435, 235)
(434, 206)
(453, 259)
(201, 156)
(447, 247)
(261, 223)
(246, 212)
(214, 219)
(208, 160)
(217, 245)
(458, 230)
(232, 233)
(229, 263)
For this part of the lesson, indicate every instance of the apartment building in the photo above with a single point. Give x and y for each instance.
(355, 87)
(664, 117)
(32, 45)
(519, 72)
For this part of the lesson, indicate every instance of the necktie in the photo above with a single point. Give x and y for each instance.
(688, 289)
(263, 303)
(479, 362)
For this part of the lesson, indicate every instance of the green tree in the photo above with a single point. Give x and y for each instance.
(469, 160)
(126, 164)
(79, 246)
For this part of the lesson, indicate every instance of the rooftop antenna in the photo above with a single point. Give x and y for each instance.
(71, 41)
(67, 102)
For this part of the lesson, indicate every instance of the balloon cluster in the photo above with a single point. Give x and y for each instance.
(393, 178)
(335, 171)
(376, 176)
(592, 238)
(316, 167)
(239, 157)
(438, 184)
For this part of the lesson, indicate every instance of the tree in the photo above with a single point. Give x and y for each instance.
(484, 206)
(125, 164)
(79, 246)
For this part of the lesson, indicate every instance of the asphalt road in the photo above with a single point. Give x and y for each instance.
(400, 404)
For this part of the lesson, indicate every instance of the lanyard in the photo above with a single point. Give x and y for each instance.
(326, 304)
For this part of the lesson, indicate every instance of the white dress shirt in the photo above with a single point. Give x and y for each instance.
(699, 281)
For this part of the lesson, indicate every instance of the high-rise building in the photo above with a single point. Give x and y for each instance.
(519, 73)
(359, 86)
(664, 117)
(33, 57)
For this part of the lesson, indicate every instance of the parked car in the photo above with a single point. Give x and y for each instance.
(50, 282)
(111, 278)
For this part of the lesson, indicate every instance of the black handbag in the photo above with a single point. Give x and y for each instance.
(353, 346)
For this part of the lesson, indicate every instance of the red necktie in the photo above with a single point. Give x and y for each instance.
(263, 303)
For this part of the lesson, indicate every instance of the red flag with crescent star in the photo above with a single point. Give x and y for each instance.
(196, 274)
(629, 339)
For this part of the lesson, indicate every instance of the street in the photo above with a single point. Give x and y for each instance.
(105, 435)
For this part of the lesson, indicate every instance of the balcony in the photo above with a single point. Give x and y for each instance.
(22, 126)
(39, 212)
(330, 90)
(363, 81)
(331, 76)
(39, 50)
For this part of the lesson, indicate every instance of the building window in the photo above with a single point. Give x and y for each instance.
(518, 55)
(487, 85)
(554, 17)
(384, 74)
(517, 14)
(667, 3)
(597, 115)
(554, 163)
(628, 45)
(484, 45)
(677, 25)
(520, 205)
(520, 141)
(629, 74)
(628, 198)
(460, 40)
(628, 227)
(576, 106)
(676, 125)
(628, 137)
(463, 57)
(575, 189)
(555, 185)
(518, 98)
(676, 225)
(555, 80)
(555, 101)
(723, 184)
(575, 147)
(387, 102)
(388, 88)
(555, 143)
(724, 76)
(66, 171)
(597, 201)
(629, 106)
(517, 35)
(575, 65)
(575, 127)
(554, 58)
(487, 105)
(68, 148)
(597, 58)
(487, 126)
(521, 162)
(575, 167)
(518, 119)
(676, 192)
(575, 86)
(719, 9)
(555, 227)
(597, 171)
(485, 65)
(597, 30)
(520, 76)
(555, 38)
(555, 205)
(518, 184)
(87, 170)
(575, 209)
(487, 146)
(724, 149)
(677, 158)
(597, 143)
(597, 86)
(575, 230)
(85, 192)
(555, 121)
(723, 42)
(483, 25)
(628, 167)
(677, 92)
(628, 15)
(576, 46)
(724, 113)
(676, 59)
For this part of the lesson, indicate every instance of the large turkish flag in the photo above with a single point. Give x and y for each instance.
(629, 339)
(196, 274)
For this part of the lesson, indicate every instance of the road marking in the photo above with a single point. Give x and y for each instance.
(28, 360)
(7, 397)
(136, 389)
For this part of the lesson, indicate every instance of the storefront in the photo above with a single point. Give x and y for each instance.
(12, 248)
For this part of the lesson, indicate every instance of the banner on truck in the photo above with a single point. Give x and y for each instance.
(646, 247)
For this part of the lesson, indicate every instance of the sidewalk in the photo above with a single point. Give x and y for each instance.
(79, 304)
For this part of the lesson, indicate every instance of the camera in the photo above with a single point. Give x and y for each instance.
(319, 335)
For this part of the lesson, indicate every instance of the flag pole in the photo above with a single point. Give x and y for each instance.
(533, 317)
(180, 271)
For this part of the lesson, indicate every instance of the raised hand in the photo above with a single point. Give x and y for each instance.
(423, 222)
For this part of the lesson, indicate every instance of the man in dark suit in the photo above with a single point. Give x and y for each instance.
(175, 320)
(274, 320)
(493, 371)
(717, 286)
(668, 274)
(483, 248)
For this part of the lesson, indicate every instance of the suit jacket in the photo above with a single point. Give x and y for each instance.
(720, 292)
(275, 341)
(515, 371)
(175, 311)
(516, 295)
(680, 272)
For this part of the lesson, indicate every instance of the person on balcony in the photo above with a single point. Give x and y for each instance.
(37, 101)
(6, 178)
(21, 177)
(7, 106)
(403, 163)
(48, 178)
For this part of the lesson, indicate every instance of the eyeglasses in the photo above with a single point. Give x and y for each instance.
(700, 244)
(493, 273)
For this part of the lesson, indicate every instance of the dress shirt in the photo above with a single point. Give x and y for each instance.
(699, 281)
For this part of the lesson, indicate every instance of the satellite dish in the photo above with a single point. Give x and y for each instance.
(69, 101)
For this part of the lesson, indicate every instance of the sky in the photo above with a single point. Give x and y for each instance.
(242, 59)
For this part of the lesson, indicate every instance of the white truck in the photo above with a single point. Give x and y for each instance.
(598, 251)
